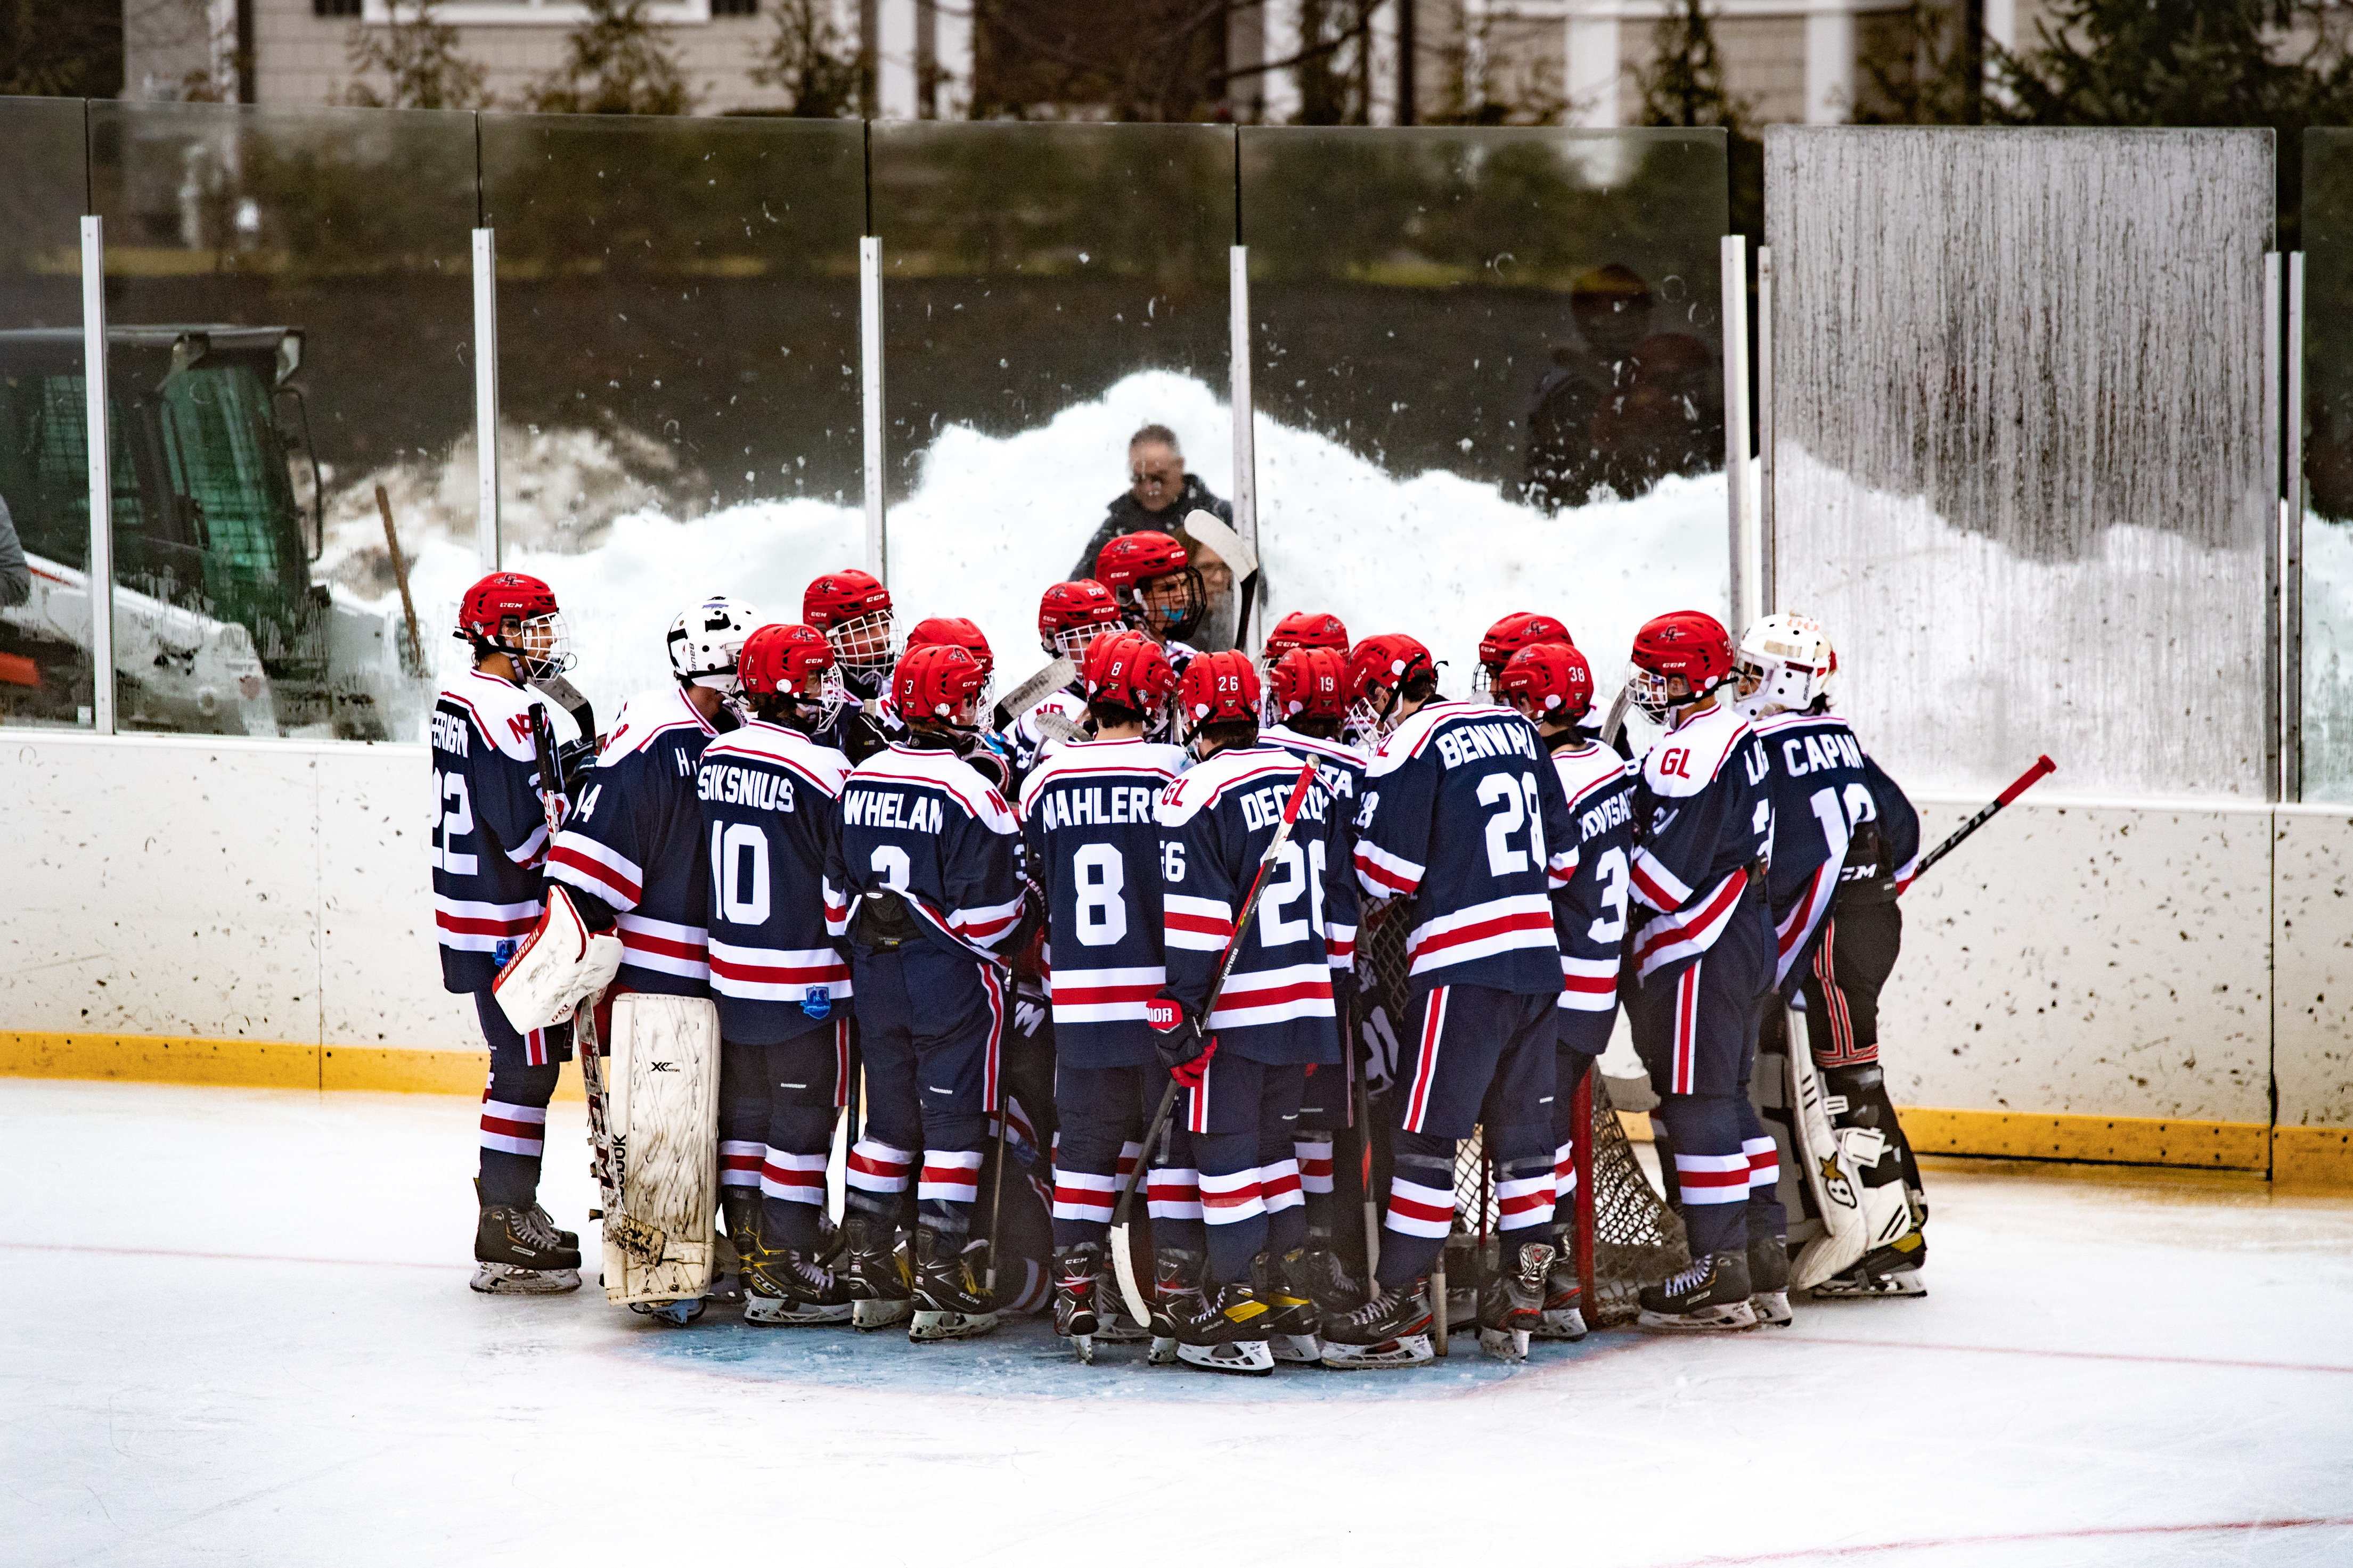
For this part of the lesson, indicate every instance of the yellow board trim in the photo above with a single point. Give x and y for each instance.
(2119, 1139)
(2305, 1156)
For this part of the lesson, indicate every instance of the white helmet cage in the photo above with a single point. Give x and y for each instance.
(1784, 662)
(707, 639)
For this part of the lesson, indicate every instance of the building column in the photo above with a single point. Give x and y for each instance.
(1830, 62)
(1278, 89)
(951, 96)
(895, 44)
(1382, 70)
(1593, 67)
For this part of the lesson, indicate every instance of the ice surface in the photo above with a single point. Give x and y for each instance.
(996, 519)
(242, 1335)
(2021, 446)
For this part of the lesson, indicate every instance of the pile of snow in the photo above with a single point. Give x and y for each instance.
(993, 520)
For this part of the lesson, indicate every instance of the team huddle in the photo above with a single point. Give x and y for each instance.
(1081, 967)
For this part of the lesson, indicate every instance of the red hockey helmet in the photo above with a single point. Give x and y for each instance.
(1151, 577)
(1548, 680)
(515, 614)
(953, 631)
(1521, 629)
(1387, 659)
(1073, 614)
(1219, 687)
(1128, 670)
(853, 610)
(1306, 628)
(785, 659)
(1310, 682)
(935, 682)
(1688, 644)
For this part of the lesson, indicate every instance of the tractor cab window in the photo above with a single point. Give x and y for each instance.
(222, 451)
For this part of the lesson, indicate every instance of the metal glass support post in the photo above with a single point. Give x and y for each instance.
(99, 578)
(1768, 551)
(2292, 586)
(1734, 254)
(1245, 416)
(486, 398)
(2273, 623)
(869, 367)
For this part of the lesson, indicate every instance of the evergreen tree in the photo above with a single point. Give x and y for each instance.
(418, 55)
(1684, 85)
(614, 62)
(812, 65)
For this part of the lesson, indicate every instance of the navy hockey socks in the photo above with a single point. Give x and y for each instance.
(1711, 1169)
(514, 1128)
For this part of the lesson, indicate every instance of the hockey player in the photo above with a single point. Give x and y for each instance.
(1702, 962)
(1521, 629)
(1304, 628)
(1072, 616)
(1845, 840)
(1087, 815)
(1463, 816)
(1244, 1065)
(768, 793)
(853, 610)
(1552, 687)
(631, 860)
(489, 837)
(927, 888)
(1307, 696)
(1158, 588)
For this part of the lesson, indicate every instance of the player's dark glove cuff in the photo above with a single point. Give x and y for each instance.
(1176, 1034)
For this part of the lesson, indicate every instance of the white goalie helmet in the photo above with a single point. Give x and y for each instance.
(1784, 663)
(707, 639)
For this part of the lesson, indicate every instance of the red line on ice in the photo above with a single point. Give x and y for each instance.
(221, 1257)
(2023, 1538)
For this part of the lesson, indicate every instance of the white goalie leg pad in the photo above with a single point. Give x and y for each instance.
(1829, 1175)
(664, 1117)
(558, 965)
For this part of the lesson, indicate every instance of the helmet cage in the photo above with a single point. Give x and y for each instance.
(1168, 606)
(539, 645)
(862, 643)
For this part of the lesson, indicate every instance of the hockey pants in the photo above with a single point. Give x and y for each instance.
(1477, 1058)
(524, 1069)
(930, 1021)
(1695, 1030)
(1240, 1121)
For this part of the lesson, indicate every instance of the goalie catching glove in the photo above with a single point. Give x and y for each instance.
(559, 965)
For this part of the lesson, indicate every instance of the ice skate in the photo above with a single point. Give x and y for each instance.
(1510, 1306)
(1077, 1273)
(1293, 1318)
(1392, 1330)
(1710, 1297)
(881, 1292)
(675, 1314)
(1229, 1335)
(736, 1243)
(1563, 1318)
(1326, 1280)
(1175, 1295)
(516, 1255)
(950, 1301)
(785, 1288)
(1113, 1325)
(1769, 1280)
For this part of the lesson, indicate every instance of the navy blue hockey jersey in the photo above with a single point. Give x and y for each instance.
(1706, 820)
(1464, 815)
(1339, 768)
(1089, 823)
(770, 816)
(1216, 823)
(636, 842)
(1825, 787)
(920, 823)
(490, 826)
(1590, 911)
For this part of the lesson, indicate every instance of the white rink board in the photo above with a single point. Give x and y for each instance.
(225, 1367)
(278, 890)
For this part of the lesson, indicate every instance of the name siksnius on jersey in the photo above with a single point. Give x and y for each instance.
(755, 787)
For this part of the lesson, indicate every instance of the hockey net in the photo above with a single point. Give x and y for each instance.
(1628, 1236)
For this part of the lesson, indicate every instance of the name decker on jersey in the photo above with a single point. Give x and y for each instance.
(768, 795)
(488, 826)
(1463, 815)
(1709, 821)
(1216, 824)
(1090, 820)
(1591, 908)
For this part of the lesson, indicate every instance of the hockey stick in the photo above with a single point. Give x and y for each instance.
(1031, 692)
(1364, 1181)
(996, 1188)
(1122, 1263)
(567, 697)
(2019, 786)
(1616, 721)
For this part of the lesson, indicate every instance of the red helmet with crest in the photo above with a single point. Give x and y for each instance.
(1310, 683)
(1217, 688)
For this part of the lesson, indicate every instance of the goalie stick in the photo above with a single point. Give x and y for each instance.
(1031, 692)
(1121, 1262)
(2044, 767)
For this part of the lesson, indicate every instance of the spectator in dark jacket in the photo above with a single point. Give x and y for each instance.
(1159, 495)
(15, 573)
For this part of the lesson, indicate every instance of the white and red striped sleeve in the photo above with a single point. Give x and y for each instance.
(595, 868)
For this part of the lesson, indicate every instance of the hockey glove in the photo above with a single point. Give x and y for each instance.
(1183, 1051)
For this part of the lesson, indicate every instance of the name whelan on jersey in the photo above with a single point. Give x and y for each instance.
(889, 808)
